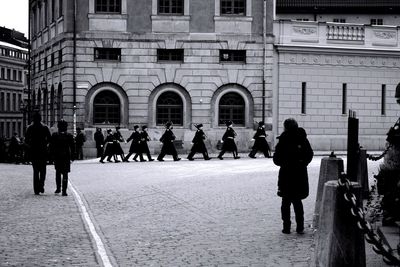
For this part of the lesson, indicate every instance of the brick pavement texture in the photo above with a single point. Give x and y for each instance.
(201, 213)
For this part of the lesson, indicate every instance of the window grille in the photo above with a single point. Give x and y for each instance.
(106, 108)
(113, 54)
(108, 6)
(170, 7)
(234, 56)
(233, 7)
(169, 108)
(232, 107)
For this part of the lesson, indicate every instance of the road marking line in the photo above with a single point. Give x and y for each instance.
(99, 244)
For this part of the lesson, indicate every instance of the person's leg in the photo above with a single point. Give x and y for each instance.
(161, 156)
(191, 154)
(252, 153)
(58, 182)
(147, 151)
(299, 212)
(285, 212)
(36, 180)
(140, 156)
(127, 157)
(205, 155)
(42, 175)
(65, 184)
(175, 155)
(221, 154)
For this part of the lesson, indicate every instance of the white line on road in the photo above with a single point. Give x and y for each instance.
(99, 244)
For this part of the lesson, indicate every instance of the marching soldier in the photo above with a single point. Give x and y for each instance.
(260, 142)
(99, 139)
(109, 147)
(144, 138)
(135, 145)
(168, 144)
(62, 151)
(198, 144)
(117, 146)
(228, 141)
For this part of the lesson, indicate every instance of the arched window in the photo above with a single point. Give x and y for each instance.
(169, 108)
(232, 107)
(106, 108)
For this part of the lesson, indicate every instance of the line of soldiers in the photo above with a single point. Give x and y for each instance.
(110, 147)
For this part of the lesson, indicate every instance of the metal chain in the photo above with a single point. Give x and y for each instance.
(370, 236)
(376, 158)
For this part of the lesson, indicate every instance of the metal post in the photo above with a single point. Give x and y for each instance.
(352, 146)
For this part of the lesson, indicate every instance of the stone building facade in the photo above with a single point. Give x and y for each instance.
(148, 62)
(13, 58)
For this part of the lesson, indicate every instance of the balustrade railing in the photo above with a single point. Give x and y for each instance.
(345, 32)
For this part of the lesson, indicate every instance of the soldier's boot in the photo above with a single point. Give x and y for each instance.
(205, 156)
(58, 184)
(190, 156)
(252, 154)
(64, 185)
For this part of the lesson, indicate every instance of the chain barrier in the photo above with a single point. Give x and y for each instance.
(376, 158)
(370, 236)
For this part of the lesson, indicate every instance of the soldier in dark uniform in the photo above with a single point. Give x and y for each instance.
(228, 141)
(37, 138)
(109, 147)
(168, 144)
(198, 143)
(62, 151)
(144, 138)
(99, 139)
(80, 139)
(135, 145)
(260, 142)
(117, 146)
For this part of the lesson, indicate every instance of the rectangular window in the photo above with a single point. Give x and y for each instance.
(344, 98)
(383, 100)
(8, 74)
(52, 60)
(170, 7)
(108, 6)
(46, 13)
(8, 129)
(1, 101)
(45, 63)
(14, 75)
(14, 102)
(170, 55)
(238, 56)
(2, 74)
(20, 76)
(60, 56)
(2, 128)
(8, 102)
(112, 54)
(53, 10)
(60, 8)
(376, 21)
(303, 97)
(233, 7)
(19, 101)
(339, 20)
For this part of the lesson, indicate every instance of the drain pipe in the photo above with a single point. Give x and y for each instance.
(264, 56)
(74, 71)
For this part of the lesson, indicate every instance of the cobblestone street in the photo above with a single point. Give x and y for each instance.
(201, 213)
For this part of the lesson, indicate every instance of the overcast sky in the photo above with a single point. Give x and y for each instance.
(14, 15)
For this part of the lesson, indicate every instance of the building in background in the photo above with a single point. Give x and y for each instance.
(13, 63)
(332, 56)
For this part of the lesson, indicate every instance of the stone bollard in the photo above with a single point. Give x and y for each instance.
(338, 240)
(331, 168)
(362, 173)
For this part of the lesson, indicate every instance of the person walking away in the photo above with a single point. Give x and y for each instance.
(118, 138)
(198, 143)
(99, 139)
(260, 142)
(109, 147)
(293, 153)
(37, 138)
(62, 151)
(167, 139)
(80, 139)
(228, 141)
(135, 145)
(144, 138)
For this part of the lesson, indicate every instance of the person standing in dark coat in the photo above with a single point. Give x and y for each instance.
(198, 144)
(109, 147)
(117, 146)
(293, 153)
(228, 141)
(260, 142)
(135, 145)
(99, 139)
(62, 151)
(80, 139)
(15, 149)
(37, 138)
(168, 144)
(144, 138)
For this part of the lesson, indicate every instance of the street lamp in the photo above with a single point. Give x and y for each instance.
(24, 107)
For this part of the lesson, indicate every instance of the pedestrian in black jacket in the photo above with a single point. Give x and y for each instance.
(109, 147)
(80, 139)
(228, 141)
(118, 138)
(198, 143)
(168, 148)
(99, 139)
(62, 151)
(135, 145)
(260, 142)
(293, 153)
(144, 138)
(37, 138)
